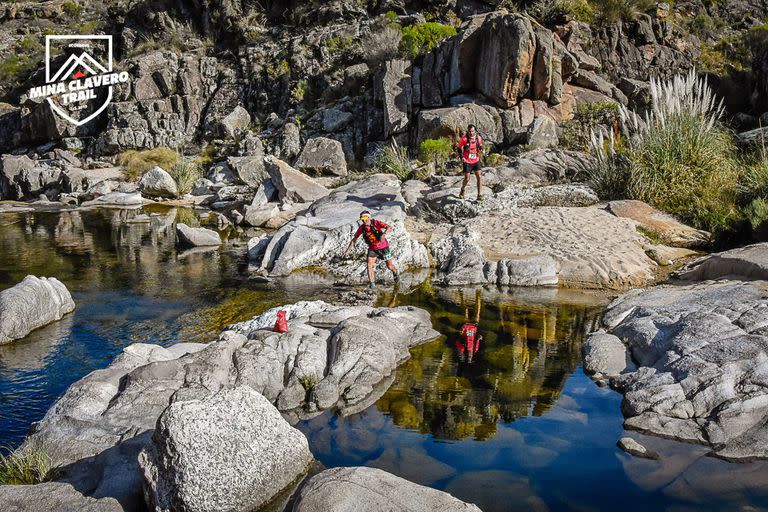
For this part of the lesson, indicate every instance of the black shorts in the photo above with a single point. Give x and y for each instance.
(471, 167)
(380, 253)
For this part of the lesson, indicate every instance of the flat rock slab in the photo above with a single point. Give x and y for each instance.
(592, 248)
(347, 489)
(750, 262)
(52, 496)
(702, 364)
(669, 229)
(32, 303)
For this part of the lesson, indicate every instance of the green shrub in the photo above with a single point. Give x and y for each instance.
(575, 131)
(299, 91)
(72, 9)
(136, 163)
(187, 216)
(608, 12)
(337, 44)
(394, 160)
(756, 212)
(423, 37)
(279, 69)
(494, 160)
(31, 466)
(609, 174)
(558, 12)
(185, 172)
(436, 150)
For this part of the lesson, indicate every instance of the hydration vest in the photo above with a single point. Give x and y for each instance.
(372, 235)
(470, 151)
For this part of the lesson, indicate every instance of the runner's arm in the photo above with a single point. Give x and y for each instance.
(354, 239)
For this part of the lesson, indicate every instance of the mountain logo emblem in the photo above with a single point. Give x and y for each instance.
(77, 74)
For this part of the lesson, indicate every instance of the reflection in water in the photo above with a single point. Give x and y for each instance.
(528, 352)
(130, 285)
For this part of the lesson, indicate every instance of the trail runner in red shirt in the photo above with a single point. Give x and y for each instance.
(470, 148)
(374, 233)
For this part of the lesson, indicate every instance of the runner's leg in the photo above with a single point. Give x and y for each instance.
(371, 264)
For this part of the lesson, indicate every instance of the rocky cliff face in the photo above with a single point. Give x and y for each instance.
(226, 70)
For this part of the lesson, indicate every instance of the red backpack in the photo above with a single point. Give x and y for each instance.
(281, 325)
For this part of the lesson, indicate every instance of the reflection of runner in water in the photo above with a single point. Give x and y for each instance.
(468, 342)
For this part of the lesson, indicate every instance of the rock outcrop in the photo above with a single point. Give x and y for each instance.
(671, 231)
(32, 303)
(325, 229)
(701, 352)
(332, 357)
(345, 489)
(292, 185)
(544, 245)
(230, 450)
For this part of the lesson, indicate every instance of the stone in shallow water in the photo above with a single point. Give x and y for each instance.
(632, 447)
(32, 303)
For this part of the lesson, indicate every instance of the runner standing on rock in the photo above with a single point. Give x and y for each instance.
(374, 233)
(470, 148)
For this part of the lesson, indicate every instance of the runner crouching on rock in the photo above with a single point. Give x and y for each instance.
(374, 233)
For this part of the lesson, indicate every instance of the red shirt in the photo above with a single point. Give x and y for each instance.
(470, 148)
(469, 333)
(370, 238)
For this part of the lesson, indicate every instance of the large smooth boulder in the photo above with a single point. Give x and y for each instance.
(505, 62)
(258, 216)
(158, 183)
(347, 489)
(230, 451)
(322, 155)
(293, 185)
(321, 234)
(32, 303)
(663, 225)
(749, 262)
(450, 121)
(702, 356)
(196, 237)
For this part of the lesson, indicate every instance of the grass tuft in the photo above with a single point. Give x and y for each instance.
(27, 467)
(136, 163)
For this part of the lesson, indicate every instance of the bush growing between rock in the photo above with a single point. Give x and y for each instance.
(678, 158)
(394, 160)
(136, 163)
(185, 172)
(437, 151)
(423, 37)
(32, 466)
(575, 132)
(558, 12)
